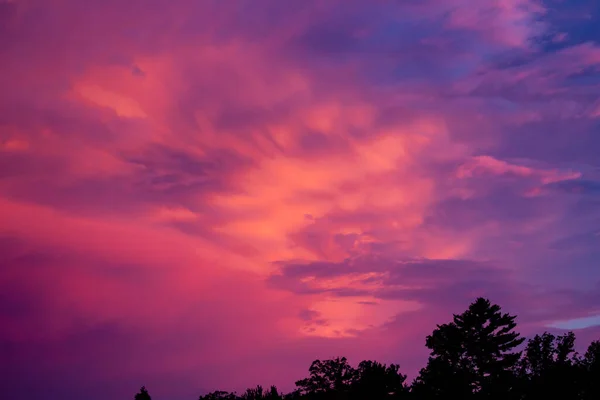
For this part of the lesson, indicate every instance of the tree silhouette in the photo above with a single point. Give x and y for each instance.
(590, 365)
(253, 394)
(143, 394)
(377, 381)
(473, 354)
(441, 379)
(550, 367)
(328, 377)
(218, 395)
(273, 394)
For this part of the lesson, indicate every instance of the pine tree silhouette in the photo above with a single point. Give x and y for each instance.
(143, 394)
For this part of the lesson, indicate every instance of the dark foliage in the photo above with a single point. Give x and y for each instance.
(143, 394)
(479, 356)
(472, 356)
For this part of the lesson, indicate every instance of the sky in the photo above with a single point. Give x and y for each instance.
(210, 194)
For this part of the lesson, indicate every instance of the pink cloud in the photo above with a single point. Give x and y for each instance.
(512, 23)
(491, 165)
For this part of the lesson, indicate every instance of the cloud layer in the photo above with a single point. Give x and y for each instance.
(201, 195)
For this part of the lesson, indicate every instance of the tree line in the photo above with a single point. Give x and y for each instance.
(479, 355)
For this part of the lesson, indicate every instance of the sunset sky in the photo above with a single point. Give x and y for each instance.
(210, 194)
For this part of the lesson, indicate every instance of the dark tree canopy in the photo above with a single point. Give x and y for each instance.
(375, 381)
(479, 355)
(591, 371)
(143, 394)
(550, 367)
(328, 376)
(476, 349)
(219, 395)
